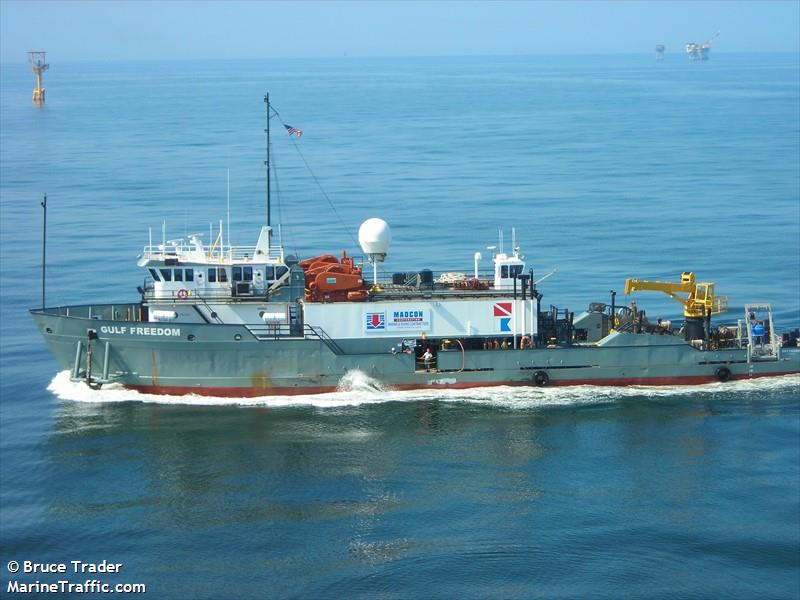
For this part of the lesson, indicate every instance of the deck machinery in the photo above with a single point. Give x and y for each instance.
(699, 303)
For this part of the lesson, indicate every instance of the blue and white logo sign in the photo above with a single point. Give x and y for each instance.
(376, 321)
(417, 319)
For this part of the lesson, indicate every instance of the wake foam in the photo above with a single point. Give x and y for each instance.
(357, 388)
(358, 381)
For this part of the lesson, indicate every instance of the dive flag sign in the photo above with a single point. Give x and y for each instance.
(502, 309)
(376, 321)
(502, 316)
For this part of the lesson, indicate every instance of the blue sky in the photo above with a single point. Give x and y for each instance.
(185, 30)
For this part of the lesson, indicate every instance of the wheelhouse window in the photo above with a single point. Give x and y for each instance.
(504, 271)
(178, 274)
(217, 274)
(516, 270)
(269, 273)
(188, 274)
(154, 274)
(243, 273)
(166, 274)
(280, 272)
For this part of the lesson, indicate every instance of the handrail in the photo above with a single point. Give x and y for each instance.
(278, 331)
(118, 311)
(327, 340)
(211, 313)
(223, 254)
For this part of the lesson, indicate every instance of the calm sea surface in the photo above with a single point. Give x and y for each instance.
(608, 167)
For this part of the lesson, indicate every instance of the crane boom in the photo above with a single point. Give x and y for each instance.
(710, 40)
(700, 299)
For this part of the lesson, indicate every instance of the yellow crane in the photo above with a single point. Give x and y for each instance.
(699, 300)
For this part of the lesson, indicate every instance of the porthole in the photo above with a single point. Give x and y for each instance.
(190, 337)
(48, 330)
(237, 337)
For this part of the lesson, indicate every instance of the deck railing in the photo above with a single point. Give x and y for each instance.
(215, 255)
(101, 312)
(279, 331)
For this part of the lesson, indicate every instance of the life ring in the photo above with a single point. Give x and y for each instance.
(183, 294)
(723, 374)
(541, 378)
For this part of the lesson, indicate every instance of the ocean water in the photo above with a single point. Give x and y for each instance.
(608, 167)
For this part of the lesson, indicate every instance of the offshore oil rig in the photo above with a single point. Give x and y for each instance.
(697, 51)
(38, 66)
(660, 49)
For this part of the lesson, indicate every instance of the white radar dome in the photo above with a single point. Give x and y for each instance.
(374, 236)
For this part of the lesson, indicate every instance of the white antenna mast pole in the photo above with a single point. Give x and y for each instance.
(229, 212)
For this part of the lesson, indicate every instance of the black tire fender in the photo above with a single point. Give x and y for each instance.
(541, 378)
(723, 374)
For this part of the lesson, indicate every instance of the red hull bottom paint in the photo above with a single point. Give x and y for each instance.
(249, 392)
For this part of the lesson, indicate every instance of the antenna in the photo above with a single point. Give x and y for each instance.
(44, 244)
(229, 209)
(38, 66)
(266, 161)
(374, 237)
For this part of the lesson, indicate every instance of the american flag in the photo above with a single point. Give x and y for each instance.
(293, 131)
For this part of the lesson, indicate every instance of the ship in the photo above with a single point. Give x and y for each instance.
(246, 321)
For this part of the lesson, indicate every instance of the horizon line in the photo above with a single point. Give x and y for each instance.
(400, 56)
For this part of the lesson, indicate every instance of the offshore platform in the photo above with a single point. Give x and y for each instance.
(38, 66)
(697, 51)
(660, 49)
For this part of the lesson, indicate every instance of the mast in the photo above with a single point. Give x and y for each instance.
(44, 244)
(266, 162)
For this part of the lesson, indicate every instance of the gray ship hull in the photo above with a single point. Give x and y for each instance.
(232, 360)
